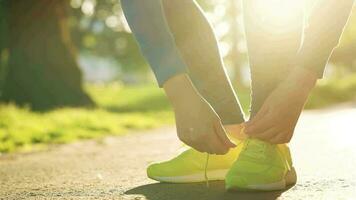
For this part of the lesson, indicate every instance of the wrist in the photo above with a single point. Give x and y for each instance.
(180, 90)
(303, 78)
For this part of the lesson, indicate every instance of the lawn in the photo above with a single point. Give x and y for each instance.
(121, 110)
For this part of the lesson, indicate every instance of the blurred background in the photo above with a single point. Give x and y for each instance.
(72, 70)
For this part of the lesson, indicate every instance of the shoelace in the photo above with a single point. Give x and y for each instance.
(207, 160)
(207, 163)
(206, 170)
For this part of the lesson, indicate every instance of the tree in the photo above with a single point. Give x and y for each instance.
(41, 67)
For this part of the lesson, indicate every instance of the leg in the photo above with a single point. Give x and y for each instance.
(198, 46)
(271, 45)
(273, 42)
(148, 24)
(326, 23)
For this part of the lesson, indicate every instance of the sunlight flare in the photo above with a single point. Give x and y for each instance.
(279, 16)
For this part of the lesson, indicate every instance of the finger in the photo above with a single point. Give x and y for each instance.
(266, 135)
(289, 137)
(209, 144)
(194, 144)
(262, 125)
(285, 138)
(215, 143)
(260, 114)
(222, 136)
(216, 146)
(202, 148)
(280, 138)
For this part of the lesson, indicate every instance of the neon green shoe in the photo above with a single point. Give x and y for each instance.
(291, 176)
(190, 166)
(261, 166)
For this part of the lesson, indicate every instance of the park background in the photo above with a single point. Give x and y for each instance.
(72, 70)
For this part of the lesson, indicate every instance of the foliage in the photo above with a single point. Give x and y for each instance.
(121, 110)
(99, 27)
(332, 91)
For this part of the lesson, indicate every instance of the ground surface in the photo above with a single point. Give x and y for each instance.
(324, 150)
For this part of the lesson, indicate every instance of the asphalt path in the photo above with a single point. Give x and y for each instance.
(324, 152)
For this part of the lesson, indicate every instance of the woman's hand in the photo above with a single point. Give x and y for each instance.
(197, 123)
(276, 120)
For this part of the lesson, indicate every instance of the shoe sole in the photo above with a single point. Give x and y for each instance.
(289, 180)
(219, 175)
(215, 175)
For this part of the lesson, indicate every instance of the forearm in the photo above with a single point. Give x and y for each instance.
(322, 34)
(196, 42)
(147, 22)
(180, 91)
(301, 81)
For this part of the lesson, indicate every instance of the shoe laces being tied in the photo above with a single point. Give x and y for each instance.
(242, 132)
(206, 167)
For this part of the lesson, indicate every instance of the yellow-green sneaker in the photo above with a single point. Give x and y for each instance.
(291, 176)
(192, 166)
(261, 166)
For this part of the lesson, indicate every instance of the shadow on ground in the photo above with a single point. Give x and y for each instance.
(197, 191)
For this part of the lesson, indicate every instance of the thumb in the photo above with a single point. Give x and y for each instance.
(221, 133)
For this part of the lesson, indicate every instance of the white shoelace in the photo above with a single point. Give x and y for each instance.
(206, 166)
(206, 170)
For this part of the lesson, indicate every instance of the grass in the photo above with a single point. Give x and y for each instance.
(120, 110)
(332, 91)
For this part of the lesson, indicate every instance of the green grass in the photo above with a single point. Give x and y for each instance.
(332, 91)
(120, 110)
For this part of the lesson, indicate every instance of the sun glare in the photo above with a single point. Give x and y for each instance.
(279, 16)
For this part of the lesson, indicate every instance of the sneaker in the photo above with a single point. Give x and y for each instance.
(261, 166)
(291, 176)
(193, 166)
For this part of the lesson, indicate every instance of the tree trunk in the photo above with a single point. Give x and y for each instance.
(3, 44)
(42, 70)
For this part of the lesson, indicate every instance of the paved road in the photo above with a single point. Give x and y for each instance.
(324, 150)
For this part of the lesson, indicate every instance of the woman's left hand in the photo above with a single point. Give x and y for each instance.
(276, 120)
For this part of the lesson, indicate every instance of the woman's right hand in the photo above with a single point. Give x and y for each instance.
(197, 123)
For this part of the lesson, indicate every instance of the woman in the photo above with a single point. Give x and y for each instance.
(180, 46)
